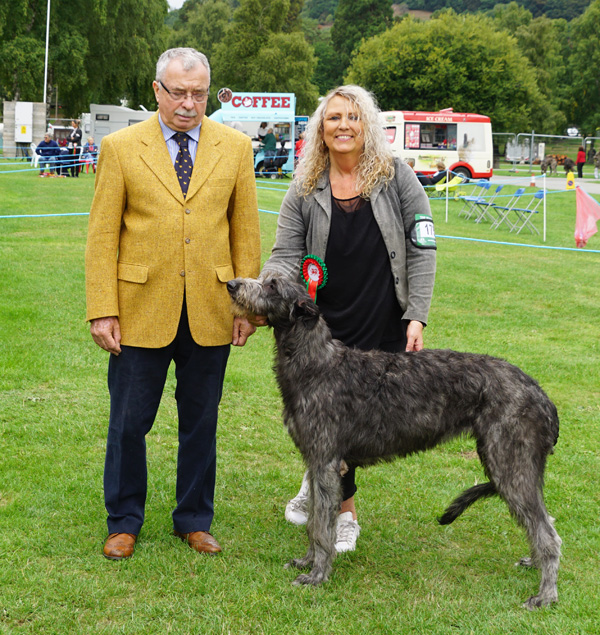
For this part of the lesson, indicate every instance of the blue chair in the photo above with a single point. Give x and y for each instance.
(484, 205)
(502, 211)
(471, 199)
(525, 214)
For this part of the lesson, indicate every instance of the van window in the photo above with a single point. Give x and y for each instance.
(390, 133)
(421, 136)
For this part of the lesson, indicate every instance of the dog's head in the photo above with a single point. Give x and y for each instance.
(283, 302)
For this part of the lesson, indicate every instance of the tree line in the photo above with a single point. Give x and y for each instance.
(513, 62)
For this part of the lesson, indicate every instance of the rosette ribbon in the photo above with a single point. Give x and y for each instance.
(314, 272)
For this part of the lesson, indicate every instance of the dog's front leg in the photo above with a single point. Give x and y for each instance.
(324, 503)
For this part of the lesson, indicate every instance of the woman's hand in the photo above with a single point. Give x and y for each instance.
(414, 336)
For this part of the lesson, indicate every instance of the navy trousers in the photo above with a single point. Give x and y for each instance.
(136, 380)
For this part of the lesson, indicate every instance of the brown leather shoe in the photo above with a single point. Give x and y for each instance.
(119, 546)
(200, 541)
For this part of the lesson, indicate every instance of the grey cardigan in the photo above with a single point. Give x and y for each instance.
(304, 223)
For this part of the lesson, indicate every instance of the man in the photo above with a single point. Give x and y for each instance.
(48, 150)
(161, 247)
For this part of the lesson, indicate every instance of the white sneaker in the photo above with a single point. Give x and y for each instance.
(296, 511)
(347, 532)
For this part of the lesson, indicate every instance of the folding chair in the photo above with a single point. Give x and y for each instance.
(434, 191)
(452, 187)
(476, 193)
(502, 211)
(525, 214)
(485, 204)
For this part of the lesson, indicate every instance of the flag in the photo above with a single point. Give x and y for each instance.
(588, 214)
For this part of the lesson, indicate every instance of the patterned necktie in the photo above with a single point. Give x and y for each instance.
(183, 161)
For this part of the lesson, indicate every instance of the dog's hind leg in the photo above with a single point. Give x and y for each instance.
(325, 499)
(545, 551)
(527, 506)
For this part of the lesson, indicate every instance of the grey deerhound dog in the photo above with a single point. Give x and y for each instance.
(343, 406)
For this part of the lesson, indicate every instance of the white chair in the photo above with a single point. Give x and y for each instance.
(35, 157)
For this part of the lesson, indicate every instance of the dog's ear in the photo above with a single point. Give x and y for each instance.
(307, 312)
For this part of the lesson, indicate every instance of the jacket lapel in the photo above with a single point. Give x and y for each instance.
(208, 154)
(156, 157)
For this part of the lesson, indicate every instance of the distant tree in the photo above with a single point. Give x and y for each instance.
(542, 41)
(98, 51)
(257, 55)
(319, 9)
(511, 16)
(355, 20)
(458, 61)
(204, 26)
(583, 75)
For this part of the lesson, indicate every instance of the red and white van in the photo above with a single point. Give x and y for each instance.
(463, 141)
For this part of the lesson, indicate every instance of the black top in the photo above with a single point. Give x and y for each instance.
(359, 302)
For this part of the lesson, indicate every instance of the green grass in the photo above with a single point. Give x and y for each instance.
(537, 308)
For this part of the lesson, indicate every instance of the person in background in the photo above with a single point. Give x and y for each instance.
(580, 161)
(74, 144)
(174, 217)
(89, 155)
(262, 131)
(362, 212)
(424, 179)
(597, 165)
(269, 148)
(48, 151)
(299, 147)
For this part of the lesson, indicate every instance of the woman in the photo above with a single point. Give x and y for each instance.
(580, 161)
(74, 141)
(363, 212)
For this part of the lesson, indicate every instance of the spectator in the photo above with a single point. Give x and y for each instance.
(74, 145)
(48, 151)
(89, 155)
(580, 161)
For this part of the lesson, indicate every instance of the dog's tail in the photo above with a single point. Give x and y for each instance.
(466, 499)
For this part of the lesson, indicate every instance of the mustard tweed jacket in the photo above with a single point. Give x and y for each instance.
(146, 244)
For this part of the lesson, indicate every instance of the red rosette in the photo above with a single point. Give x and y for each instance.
(314, 272)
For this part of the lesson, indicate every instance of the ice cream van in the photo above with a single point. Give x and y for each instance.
(463, 141)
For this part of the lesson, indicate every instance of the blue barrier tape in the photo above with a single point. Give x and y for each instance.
(268, 211)
(498, 242)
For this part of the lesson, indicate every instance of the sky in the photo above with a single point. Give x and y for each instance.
(175, 4)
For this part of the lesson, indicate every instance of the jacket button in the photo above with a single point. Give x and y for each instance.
(182, 273)
(393, 255)
(397, 280)
(188, 211)
(187, 241)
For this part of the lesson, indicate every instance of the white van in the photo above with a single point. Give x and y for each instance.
(463, 141)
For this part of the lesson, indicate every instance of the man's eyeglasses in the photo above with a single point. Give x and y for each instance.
(198, 96)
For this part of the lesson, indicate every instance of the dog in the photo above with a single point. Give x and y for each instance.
(548, 163)
(344, 406)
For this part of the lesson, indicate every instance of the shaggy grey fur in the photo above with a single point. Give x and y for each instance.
(343, 405)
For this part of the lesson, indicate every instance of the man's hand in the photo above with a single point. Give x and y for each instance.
(242, 330)
(106, 332)
(414, 336)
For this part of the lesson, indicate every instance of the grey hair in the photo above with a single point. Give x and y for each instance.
(376, 164)
(190, 58)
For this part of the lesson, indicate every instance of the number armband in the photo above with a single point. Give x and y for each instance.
(421, 232)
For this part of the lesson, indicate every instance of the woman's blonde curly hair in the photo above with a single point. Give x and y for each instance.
(376, 163)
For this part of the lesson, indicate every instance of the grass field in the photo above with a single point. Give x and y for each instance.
(538, 308)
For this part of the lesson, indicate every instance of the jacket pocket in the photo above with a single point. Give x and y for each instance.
(132, 273)
(224, 273)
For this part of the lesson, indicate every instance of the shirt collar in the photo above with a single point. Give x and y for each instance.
(194, 133)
